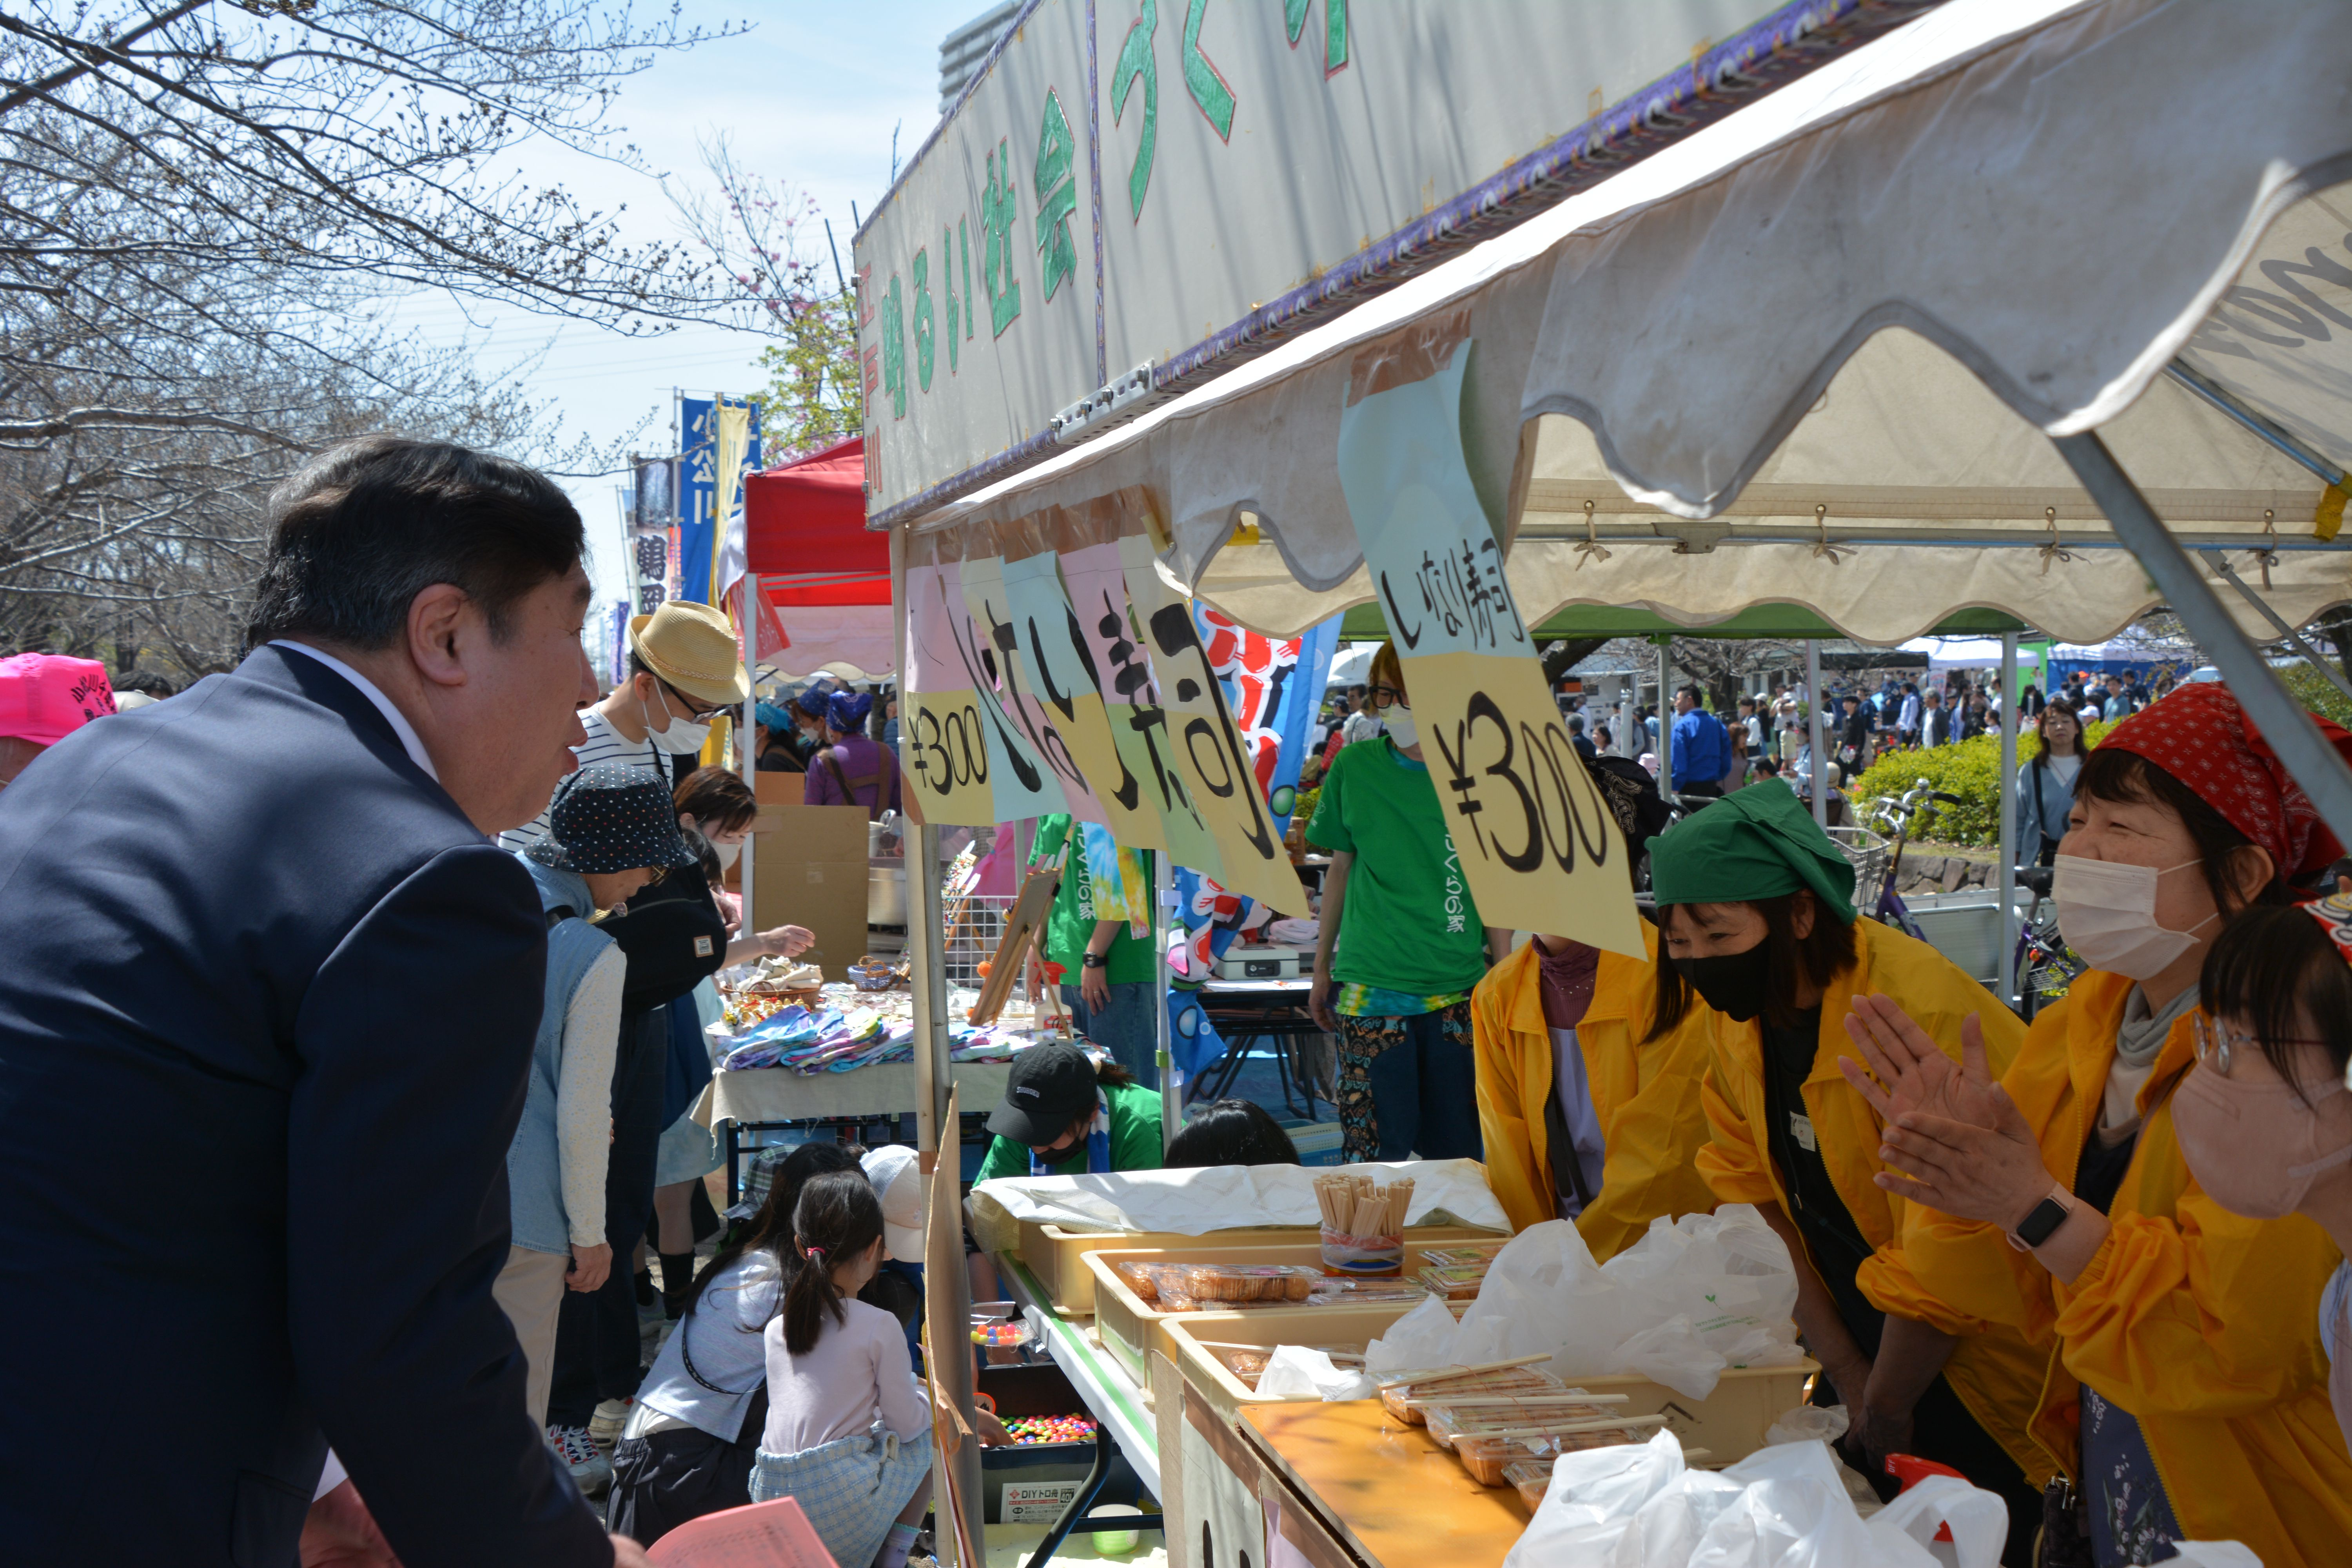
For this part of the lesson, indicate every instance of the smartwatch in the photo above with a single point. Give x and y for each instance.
(2038, 1227)
(1096, 960)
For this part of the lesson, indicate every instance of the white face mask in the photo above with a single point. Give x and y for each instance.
(1397, 721)
(679, 736)
(2107, 912)
(727, 853)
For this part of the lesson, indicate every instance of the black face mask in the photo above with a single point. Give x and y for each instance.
(1731, 983)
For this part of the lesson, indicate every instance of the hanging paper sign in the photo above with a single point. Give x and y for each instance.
(1016, 689)
(1209, 753)
(942, 737)
(1022, 785)
(1138, 724)
(1539, 845)
(1058, 664)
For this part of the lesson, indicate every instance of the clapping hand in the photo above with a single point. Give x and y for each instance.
(1909, 1073)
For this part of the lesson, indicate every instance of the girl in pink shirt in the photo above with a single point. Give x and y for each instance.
(848, 1430)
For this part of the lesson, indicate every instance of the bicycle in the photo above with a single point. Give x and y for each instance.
(1894, 817)
(2045, 966)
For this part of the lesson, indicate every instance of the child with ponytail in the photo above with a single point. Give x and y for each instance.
(848, 1430)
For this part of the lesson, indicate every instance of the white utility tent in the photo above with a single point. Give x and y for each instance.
(2054, 280)
(1966, 653)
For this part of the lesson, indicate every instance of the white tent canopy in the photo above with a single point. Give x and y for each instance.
(1699, 346)
(1965, 653)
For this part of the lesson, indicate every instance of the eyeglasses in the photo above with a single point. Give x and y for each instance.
(2215, 1047)
(1386, 696)
(694, 711)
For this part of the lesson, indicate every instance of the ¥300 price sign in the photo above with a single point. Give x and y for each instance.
(1533, 836)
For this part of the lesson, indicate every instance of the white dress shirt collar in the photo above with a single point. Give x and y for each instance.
(393, 716)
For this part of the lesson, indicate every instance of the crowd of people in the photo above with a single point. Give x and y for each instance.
(390, 950)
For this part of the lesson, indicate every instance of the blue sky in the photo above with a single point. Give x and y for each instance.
(809, 95)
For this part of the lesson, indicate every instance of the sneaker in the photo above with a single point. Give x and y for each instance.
(604, 1426)
(591, 1472)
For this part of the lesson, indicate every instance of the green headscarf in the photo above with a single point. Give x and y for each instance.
(1756, 843)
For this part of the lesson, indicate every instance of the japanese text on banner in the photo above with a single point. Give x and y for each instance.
(1207, 748)
(1059, 666)
(942, 735)
(1535, 838)
(1018, 691)
(1022, 785)
(1138, 724)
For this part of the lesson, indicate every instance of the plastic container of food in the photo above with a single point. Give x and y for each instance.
(1502, 1380)
(1532, 1476)
(1487, 1457)
(1222, 1282)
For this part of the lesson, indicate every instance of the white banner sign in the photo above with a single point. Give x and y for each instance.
(1106, 199)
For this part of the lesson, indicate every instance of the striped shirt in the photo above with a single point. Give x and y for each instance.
(605, 744)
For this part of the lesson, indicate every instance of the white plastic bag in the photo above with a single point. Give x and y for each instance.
(1295, 1372)
(1691, 1297)
(1421, 1338)
(1797, 1523)
(1673, 1353)
(1809, 1423)
(1977, 1520)
(2216, 1555)
(1594, 1497)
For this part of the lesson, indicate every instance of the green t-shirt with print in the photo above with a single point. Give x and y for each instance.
(1409, 923)
(1070, 924)
(1134, 1140)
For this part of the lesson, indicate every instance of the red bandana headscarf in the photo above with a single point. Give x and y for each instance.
(2200, 736)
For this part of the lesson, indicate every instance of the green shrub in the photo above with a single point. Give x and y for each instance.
(1969, 769)
(2318, 693)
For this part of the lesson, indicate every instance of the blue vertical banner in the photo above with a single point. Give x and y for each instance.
(698, 491)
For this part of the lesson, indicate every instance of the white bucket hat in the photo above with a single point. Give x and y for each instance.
(896, 1174)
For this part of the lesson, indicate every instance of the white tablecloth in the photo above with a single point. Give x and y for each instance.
(779, 1094)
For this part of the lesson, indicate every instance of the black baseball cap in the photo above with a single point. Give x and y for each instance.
(1051, 1086)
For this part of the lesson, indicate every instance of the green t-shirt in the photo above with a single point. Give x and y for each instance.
(1409, 923)
(1134, 1140)
(1070, 924)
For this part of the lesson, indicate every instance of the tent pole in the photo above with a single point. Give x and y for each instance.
(1821, 774)
(2223, 569)
(751, 751)
(2314, 763)
(2008, 879)
(947, 1293)
(1665, 719)
(1171, 1093)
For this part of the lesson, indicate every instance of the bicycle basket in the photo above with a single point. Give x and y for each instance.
(1867, 850)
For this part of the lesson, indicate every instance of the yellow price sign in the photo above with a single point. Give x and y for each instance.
(1534, 836)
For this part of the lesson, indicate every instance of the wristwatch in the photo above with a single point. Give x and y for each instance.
(1096, 960)
(2038, 1227)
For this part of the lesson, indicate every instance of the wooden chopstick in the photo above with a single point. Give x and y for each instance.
(1463, 1402)
(1562, 1428)
(1448, 1374)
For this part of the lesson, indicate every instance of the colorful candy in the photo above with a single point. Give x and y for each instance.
(1012, 1333)
(1050, 1429)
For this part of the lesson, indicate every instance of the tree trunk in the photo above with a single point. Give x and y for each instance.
(2335, 625)
(1561, 657)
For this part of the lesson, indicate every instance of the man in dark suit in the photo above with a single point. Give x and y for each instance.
(266, 1013)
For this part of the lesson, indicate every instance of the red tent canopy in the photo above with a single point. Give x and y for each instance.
(804, 536)
(804, 528)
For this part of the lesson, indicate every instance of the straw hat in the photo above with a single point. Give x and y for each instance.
(691, 647)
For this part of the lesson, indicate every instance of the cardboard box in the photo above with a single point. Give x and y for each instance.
(810, 870)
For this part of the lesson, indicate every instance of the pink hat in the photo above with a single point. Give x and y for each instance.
(45, 697)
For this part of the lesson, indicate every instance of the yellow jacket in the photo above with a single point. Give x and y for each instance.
(2203, 1324)
(1995, 1371)
(1644, 1097)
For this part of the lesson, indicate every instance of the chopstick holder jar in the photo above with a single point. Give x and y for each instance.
(1344, 1253)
